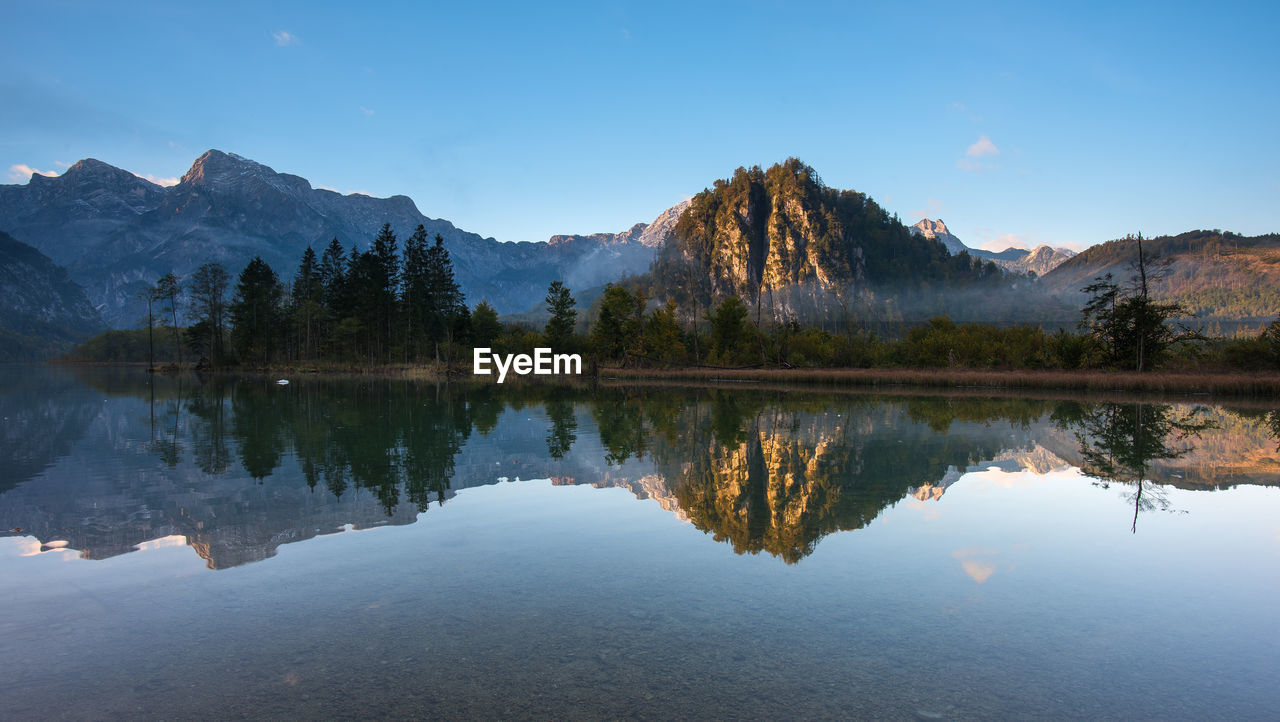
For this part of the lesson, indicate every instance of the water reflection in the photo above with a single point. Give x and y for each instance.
(239, 467)
(1120, 442)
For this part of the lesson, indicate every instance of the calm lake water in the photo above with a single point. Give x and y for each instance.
(360, 548)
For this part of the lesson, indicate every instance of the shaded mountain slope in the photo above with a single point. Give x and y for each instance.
(42, 311)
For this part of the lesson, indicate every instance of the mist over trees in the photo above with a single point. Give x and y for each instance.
(393, 304)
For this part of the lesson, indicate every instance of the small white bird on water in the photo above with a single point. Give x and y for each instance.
(282, 382)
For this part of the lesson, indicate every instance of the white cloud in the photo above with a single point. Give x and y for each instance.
(982, 146)
(368, 112)
(991, 241)
(284, 38)
(165, 181)
(21, 172)
(1008, 240)
(62, 164)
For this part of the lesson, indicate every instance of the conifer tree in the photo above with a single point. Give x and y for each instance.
(384, 282)
(560, 305)
(255, 311)
(444, 298)
(485, 327)
(305, 301)
(415, 290)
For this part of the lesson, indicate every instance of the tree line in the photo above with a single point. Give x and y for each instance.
(401, 304)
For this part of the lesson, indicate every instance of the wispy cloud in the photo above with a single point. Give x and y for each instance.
(982, 147)
(62, 164)
(368, 112)
(21, 172)
(994, 241)
(165, 181)
(1007, 240)
(285, 38)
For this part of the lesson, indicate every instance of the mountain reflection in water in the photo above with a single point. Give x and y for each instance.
(108, 460)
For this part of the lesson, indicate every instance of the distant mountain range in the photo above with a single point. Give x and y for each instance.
(42, 310)
(1039, 260)
(116, 232)
(777, 233)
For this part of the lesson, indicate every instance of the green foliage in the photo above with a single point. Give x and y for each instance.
(119, 346)
(616, 330)
(663, 338)
(1129, 328)
(255, 312)
(485, 327)
(733, 339)
(1271, 339)
(559, 329)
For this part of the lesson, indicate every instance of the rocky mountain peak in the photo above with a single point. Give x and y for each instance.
(930, 228)
(92, 171)
(938, 231)
(215, 165)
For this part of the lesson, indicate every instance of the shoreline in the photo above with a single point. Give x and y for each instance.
(969, 381)
(1215, 384)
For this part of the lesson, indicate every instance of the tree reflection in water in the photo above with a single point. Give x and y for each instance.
(763, 471)
(1119, 442)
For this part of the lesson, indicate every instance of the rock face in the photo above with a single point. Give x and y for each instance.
(605, 257)
(42, 311)
(116, 232)
(938, 231)
(1039, 260)
(784, 240)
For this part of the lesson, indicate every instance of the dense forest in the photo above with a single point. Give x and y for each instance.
(396, 304)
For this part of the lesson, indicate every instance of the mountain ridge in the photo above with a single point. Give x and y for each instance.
(42, 310)
(116, 232)
(1039, 260)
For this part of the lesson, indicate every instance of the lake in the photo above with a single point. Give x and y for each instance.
(371, 547)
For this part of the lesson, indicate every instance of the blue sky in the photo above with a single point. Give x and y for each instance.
(1016, 123)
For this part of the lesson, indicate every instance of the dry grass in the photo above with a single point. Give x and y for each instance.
(1215, 384)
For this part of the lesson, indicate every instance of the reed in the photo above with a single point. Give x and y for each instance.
(1216, 384)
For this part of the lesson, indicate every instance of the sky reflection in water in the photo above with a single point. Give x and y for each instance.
(749, 554)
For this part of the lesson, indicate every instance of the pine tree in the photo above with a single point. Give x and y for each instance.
(305, 301)
(1132, 329)
(615, 328)
(255, 312)
(485, 327)
(444, 298)
(385, 281)
(333, 273)
(415, 289)
(560, 305)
